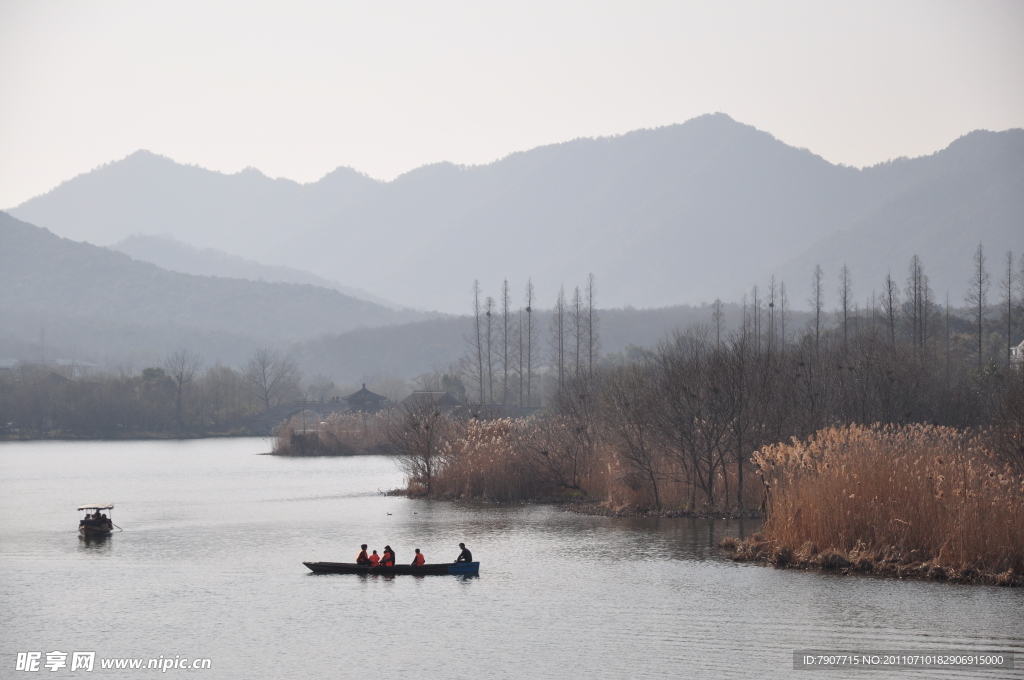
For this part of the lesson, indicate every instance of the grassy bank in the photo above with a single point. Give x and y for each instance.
(917, 501)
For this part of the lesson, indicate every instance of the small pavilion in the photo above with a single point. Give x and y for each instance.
(365, 401)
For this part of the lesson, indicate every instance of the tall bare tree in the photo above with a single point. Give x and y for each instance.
(418, 432)
(520, 355)
(489, 354)
(716, 319)
(559, 328)
(182, 366)
(530, 342)
(845, 299)
(782, 314)
(755, 310)
(592, 326)
(817, 301)
(891, 306)
(629, 402)
(475, 341)
(1007, 287)
(270, 377)
(917, 301)
(564, 450)
(577, 331)
(977, 297)
(506, 332)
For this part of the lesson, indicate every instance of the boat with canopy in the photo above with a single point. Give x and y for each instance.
(96, 522)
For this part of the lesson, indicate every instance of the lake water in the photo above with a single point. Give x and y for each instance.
(209, 565)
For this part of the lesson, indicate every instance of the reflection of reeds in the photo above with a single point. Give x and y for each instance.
(912, 499)
(340, 434)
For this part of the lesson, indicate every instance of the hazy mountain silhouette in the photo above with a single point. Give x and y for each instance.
(103, 304)
(969, 193)
(169, 253)
(684, 213)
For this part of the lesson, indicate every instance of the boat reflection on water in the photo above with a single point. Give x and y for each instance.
(96, 540)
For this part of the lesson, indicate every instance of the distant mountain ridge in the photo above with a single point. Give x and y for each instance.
(105, 305)
(680, 214)
(169, 253)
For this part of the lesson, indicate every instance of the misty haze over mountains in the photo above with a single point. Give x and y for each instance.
(680, 214)
(73, 301)
(91, 303)
(169, 253)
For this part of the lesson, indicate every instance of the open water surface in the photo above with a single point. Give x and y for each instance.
(209, 565)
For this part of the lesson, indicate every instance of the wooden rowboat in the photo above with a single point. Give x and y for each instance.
(425, 570)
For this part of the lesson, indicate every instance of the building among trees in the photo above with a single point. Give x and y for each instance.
(365, 401)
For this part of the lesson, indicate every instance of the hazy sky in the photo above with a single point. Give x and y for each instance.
(297, 89)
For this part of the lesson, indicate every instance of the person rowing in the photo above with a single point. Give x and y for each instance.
(419, 560)
(465, 555)
(361, 558)
(374, 559)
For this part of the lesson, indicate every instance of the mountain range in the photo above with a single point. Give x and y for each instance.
(681, 214)
(91, 302)
(73, 301)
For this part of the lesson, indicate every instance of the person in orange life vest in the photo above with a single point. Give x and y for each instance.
(361, 558)
(374, 559)
(388, 558)
(419, 560)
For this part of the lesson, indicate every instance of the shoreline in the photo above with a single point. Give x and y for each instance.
(149, 436)
(889, 564)
(594, 507)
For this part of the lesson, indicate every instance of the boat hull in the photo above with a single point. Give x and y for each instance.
(425, 570)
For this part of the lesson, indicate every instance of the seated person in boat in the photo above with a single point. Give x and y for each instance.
(465, 555)
(361, 558)
(374, 559)
(419, 560)
(388, 558)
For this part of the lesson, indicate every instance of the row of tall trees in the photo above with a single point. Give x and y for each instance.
(504, 358)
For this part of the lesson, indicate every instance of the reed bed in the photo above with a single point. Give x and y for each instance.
(913, 500)
(482, 460)
(340, 434)
(533, 459)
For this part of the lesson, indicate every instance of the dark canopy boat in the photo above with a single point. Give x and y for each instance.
(425, 570)
(96, 524)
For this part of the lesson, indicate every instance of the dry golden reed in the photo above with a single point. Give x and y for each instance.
(907, 499)
(482, 461)
(340, 434)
